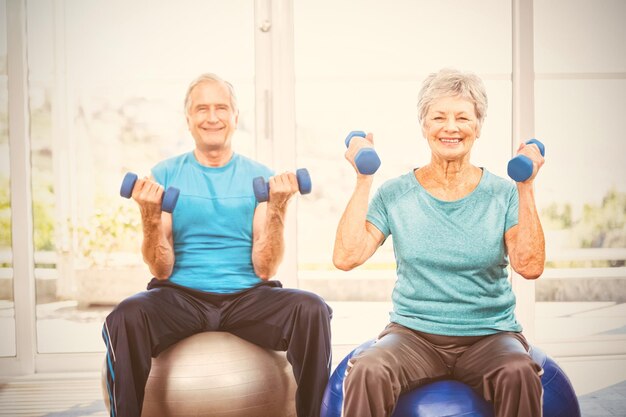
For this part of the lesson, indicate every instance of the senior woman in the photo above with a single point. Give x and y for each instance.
(455, 229)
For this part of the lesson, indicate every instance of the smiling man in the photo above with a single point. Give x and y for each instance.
(212, 260)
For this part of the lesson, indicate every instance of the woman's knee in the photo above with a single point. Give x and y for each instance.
(369, 367)
(519, 368)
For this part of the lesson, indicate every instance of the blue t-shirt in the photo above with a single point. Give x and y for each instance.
(212, 221)
(452, 275)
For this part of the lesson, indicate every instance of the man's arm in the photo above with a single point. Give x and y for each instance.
(268, 244)
(157, 247)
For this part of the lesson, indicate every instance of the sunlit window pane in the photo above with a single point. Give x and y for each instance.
(7, 311)
(107, 85)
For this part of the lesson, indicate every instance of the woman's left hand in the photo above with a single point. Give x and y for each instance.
(531, 151)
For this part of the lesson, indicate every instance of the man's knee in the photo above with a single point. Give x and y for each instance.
(129, 311)
(311, 305)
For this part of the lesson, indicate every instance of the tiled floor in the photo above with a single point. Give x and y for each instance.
(564, 330)
(81, 396)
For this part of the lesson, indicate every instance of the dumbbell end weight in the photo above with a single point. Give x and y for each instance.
(520, 168)
(128, 183)
(304, 181)
(366, 159)
(261, 189)
(170, 198)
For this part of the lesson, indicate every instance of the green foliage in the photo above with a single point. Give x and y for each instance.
(5, 214)
(555, 217)
(605, 226)
(42, 217)
(600, 226)
(110, 229)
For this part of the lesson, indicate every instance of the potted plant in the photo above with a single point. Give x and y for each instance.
(109, 266)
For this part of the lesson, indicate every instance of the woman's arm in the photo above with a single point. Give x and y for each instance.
(356, 239)
(525, 241)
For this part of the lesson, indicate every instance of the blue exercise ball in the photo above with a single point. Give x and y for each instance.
(451, 398)
(559, 398)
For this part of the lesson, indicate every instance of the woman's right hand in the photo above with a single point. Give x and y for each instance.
(356, 144)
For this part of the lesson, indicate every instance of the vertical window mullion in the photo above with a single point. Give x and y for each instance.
(523, 128)
(21, 192)
(275, 101)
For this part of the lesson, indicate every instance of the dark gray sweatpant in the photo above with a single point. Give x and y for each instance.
(497, 366)
(144, 325)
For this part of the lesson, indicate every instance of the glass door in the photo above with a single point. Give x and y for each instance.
(107, 84)
(7, 308)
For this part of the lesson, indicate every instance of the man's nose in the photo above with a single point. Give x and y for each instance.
(212, 116)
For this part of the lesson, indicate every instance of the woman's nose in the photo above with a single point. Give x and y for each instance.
(451, 124)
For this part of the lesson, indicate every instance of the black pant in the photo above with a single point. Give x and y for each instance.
(144, 325)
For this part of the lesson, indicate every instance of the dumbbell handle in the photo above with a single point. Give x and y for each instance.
(366, 159)
(520, 168)
(170, 196)
(262, 188)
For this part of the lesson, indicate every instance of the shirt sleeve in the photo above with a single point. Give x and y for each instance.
(512, 212)
(377, 213)
(159, 173)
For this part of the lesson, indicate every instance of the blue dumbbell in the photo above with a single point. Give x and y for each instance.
(262, 188)
(170, 196)
(520, 168)
(366, 159)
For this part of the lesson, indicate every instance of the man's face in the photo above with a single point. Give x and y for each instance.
(211, 118)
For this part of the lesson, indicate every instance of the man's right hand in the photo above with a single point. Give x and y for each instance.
(149, 195)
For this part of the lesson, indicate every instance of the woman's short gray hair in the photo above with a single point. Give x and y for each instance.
(210, 77)
(452, 83)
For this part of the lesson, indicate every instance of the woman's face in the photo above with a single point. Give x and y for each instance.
(451, 127)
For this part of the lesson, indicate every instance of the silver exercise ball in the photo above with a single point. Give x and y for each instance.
(218, 374)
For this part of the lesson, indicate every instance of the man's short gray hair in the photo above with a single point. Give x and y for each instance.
(452, 83)
(210, 77)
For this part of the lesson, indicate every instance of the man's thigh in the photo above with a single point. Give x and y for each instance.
(266, 315)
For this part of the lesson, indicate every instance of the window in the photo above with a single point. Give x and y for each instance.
(7, 310)
(107, 84)
(580, 92)
(363, 71)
